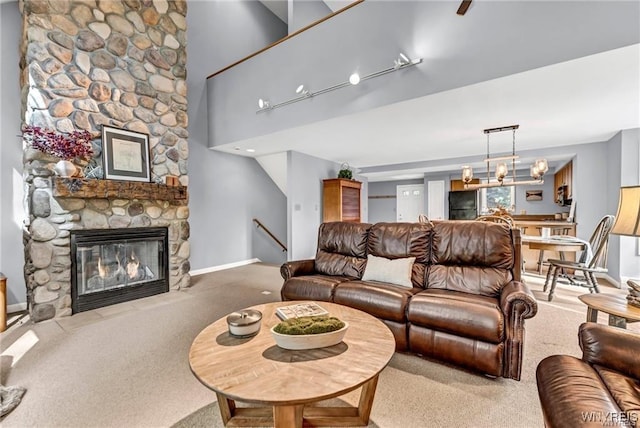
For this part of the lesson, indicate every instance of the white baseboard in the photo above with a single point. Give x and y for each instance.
(609, 278)
(17, 307)
(223, 267)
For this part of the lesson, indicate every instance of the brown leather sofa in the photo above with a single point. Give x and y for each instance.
(601, 389)
(466, 306)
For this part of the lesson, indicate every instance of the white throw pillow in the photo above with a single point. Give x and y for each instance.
(396, 271)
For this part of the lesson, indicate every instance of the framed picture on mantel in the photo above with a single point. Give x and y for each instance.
(125, 154)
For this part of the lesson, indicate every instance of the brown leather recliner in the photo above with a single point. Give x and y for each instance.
(467, 305)
(601, 389)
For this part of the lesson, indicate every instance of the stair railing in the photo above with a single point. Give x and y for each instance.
(271, 235)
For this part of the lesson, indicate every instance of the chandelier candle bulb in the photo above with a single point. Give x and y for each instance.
(542, 166)
(467, 174)
(501, 171)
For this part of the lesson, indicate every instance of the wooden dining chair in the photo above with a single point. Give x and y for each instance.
(587, 267)
(501, 219)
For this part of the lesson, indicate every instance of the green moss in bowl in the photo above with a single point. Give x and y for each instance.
(309, 325)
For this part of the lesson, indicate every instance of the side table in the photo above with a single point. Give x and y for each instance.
(620, 312)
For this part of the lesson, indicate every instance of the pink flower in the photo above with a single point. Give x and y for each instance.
(67, 146)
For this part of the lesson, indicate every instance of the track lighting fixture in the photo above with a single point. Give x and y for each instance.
(403, 61)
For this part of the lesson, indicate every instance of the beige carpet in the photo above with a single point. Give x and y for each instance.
(127, 365)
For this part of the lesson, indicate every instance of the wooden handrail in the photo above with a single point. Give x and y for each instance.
(260, 225)
(277, 42)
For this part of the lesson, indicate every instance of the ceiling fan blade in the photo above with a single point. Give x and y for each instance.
(463, 7)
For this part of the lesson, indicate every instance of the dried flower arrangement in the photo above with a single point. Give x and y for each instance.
(67, 146)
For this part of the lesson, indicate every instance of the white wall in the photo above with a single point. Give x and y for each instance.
(12, 212)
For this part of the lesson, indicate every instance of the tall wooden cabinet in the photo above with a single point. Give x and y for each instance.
(341, 200)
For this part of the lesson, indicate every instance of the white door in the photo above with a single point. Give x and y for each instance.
(409, 202)
(436, 198)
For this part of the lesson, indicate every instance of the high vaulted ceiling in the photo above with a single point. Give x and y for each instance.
(583, 99)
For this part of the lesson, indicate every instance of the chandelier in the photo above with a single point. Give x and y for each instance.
(537, 170)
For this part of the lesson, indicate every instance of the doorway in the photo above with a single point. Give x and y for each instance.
(409, 202)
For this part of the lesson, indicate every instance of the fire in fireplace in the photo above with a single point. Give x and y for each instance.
(116, 265)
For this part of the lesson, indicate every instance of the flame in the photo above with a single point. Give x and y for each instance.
(132, 266)
(102, 271)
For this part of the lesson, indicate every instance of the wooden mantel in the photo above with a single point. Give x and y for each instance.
(114, 189)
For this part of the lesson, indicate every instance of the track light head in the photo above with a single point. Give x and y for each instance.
(401, 61)
(302, 91)
(354, 79)
(263, 104)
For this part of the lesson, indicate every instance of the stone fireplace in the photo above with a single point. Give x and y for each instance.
(88, 63)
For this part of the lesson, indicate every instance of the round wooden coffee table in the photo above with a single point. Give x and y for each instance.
(620, 312)
(255, 370)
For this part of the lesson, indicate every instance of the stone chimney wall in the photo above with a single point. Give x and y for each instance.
(84, 64)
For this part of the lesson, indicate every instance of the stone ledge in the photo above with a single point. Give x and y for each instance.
(114, 189)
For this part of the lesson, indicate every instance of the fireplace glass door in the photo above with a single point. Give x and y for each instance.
(115, 265)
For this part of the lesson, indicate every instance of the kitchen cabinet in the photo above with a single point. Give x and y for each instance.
(341, 200)
(563, 184)
(458, 185)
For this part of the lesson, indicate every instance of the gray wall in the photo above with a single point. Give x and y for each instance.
(12, 212)
(304, 201)
(547, 205)
(384, 210)
(614, 149)
(226, 191)
(630, 176)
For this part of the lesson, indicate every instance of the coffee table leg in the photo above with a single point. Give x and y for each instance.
(592, 314)
(617, 321)
(366, 399)
(287, 416)
(227, 407)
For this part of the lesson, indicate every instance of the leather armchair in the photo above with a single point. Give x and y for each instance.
(601, 389)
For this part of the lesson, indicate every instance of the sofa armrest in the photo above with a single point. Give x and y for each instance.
(517, 304)
(297, 268)
(517, 297)
(611, 347)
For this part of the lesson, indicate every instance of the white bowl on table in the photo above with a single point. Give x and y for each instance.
(309, 341)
